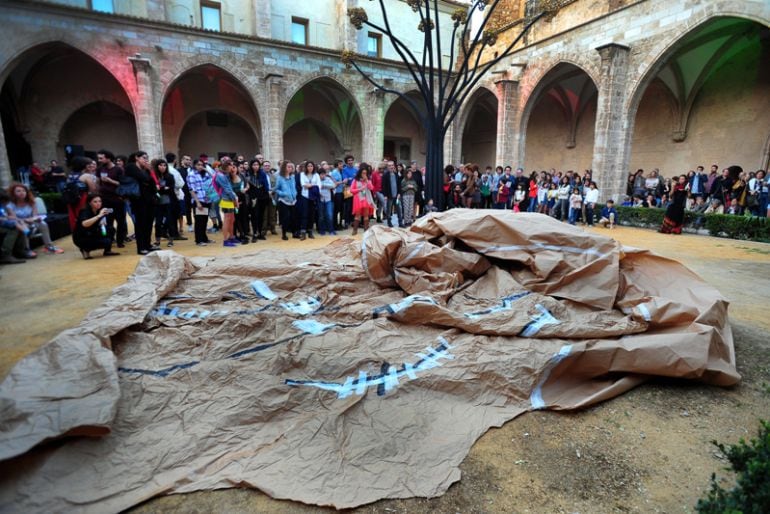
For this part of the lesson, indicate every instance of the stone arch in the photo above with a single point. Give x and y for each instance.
(44, 105)
(479, 111)
(533, 75)
(119, 69)
(462, 117)
(574, 91)
(669, 46)
(327, 101)
(104, 124)
(400, 140)
(237, 134)
(205, 87)
(181, 68)
(703, 68)
(308, 79)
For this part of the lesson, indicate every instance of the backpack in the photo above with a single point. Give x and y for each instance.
(71, 193)
(213, 191)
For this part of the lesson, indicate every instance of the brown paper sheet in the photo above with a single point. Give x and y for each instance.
(362, 371)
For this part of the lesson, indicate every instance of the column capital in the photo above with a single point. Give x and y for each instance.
(140, 63)
(611, 49)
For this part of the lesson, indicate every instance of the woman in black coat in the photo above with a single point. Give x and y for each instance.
(143, 207)
(92, 232)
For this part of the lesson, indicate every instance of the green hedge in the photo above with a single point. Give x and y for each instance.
(53, 202)
(718, 225)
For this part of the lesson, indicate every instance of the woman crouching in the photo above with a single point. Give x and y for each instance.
(92, 232)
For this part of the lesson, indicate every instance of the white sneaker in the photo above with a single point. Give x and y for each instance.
(190, 228)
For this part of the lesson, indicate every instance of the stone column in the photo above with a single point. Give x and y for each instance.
(6, 177)
(272, 128)
(148, 133)
(156, 10)
(262, 23)
(611, 146)
(373, 124)
(347, 35)
(453, 145)
(507, 101)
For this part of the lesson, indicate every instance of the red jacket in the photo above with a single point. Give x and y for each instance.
(376, 181)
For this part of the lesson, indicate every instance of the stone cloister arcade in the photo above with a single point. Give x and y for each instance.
(648, 86)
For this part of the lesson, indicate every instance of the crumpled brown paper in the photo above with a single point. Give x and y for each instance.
(362, 371)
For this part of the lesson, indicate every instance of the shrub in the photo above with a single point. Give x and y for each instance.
(751, 462)
(53, 202)
(718, 225)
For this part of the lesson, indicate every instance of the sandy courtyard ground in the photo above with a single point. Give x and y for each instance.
(646, 451)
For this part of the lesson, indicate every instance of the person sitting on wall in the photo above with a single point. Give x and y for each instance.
(609, 214)
(716, 207)
(92, 231)
(12, 233)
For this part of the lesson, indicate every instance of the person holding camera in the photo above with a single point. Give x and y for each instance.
(92, 231)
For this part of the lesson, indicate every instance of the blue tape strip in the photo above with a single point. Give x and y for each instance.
(388, 378)
(538, 322)
(536, 397)
(506, 304)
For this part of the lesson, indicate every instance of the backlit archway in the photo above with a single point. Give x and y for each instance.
(199, 114)
(560, 120)
(480, 131)
(322, 122)
(706, 101)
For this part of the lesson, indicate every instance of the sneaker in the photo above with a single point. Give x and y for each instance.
(332, 233)
(201, 244)
(53, 249)
(170, 243)
(322, 233)
(210, 241)
(229, 244)
(190, 228)
(253, 239)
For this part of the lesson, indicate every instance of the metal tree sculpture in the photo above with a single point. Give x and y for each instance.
(443, 91)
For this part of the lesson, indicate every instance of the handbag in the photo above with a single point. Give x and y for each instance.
(128, 188)
(346, 193)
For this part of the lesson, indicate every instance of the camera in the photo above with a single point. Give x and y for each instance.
(108, 211)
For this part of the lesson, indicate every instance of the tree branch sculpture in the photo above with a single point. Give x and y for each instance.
(443, 91)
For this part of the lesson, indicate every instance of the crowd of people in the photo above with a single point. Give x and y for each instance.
(247, 200)
(732, 191)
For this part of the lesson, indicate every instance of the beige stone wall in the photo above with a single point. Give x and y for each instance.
(547, 135)
(480, 139)
(401, 124)
(197, 137)
(99, 126)
(728, 124)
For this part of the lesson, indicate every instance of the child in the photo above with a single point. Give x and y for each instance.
(326, 204)
(609, 214)
(575, 205)
(429, 207)
(518, 196)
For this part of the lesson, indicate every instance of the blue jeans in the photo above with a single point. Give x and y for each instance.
(325, 213)
(573, 214)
